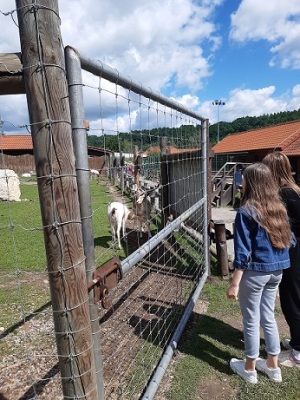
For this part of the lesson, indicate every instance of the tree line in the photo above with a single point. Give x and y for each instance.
(188, 134)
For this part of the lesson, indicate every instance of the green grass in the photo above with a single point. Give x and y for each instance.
(23, 265)
(22, 241)
(202, 370)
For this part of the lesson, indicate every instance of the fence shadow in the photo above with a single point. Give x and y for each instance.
(205, 337)
(211, 340)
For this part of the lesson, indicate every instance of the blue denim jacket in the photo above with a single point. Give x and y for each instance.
(252, 247)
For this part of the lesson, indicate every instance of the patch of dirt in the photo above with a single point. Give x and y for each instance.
(211, 389)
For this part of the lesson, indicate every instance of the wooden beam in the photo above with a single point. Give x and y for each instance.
(11, 74)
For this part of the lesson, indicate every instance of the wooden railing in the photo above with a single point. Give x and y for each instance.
(224, 184)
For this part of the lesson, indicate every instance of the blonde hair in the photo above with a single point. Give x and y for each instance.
(281, 169)
(262, 200)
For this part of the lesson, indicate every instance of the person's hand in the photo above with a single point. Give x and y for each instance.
(232, 292)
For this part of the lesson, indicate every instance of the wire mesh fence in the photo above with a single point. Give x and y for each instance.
(160, 174)
(163, 263)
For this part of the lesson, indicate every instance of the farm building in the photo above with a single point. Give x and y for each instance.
(17, 151)
(252, 146)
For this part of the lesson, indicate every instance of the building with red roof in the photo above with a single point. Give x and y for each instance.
(17, 154)
(252, 146)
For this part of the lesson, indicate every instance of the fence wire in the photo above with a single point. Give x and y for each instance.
(148, 142)
(164, 263)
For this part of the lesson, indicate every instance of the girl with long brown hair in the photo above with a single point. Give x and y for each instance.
(262, 238)
(289, 288)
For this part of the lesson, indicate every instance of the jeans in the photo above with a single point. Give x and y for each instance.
(257, 295)
(289, 290)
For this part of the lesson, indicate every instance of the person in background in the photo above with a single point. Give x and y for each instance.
(261, 245)
(289, 288)
(238, 177)
(238, 183)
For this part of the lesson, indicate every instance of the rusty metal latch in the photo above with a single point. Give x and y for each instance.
(105, 278)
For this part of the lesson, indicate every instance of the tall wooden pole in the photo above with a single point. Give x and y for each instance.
(47, 97)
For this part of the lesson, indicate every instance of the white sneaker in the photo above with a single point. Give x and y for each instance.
(284, 356)
(286, 344)
(238, 366)
(289, 359)
(295, 357)
(274, 374)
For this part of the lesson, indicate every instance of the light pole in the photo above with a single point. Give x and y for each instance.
(218, 103)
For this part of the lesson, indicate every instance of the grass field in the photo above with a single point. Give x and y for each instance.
(201, 368)
(23, 266)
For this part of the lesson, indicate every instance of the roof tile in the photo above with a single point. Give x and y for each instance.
(16, 142)
(285, 137)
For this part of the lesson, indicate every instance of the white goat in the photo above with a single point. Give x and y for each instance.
(118, 213)
(94, 173)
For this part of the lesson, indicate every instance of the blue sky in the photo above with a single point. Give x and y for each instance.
(244, 52)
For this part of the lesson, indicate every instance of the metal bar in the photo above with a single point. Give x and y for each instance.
(142, 251)
(205, 173)
(73, 68)
(104, 71)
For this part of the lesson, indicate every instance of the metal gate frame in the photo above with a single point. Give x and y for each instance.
(74, 65)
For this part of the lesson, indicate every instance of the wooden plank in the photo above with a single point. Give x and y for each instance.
(11, 74)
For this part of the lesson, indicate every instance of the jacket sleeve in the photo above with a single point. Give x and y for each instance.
(242, 240)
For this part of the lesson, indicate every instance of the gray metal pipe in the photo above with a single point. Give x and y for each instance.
(141, 252)
(205, 172)
(104, 71)
(73, 68)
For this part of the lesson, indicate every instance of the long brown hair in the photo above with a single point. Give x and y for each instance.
(281, 169)
(261, 199)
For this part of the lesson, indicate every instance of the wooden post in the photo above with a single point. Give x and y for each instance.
(47, 97)
(114, 170)
(165, 210)
(136, 167)
(122, 172)
(221, 247)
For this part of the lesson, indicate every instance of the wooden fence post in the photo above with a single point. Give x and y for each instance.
(221, 247)
(136, 167)
(114, 170)
(122, 172)
(165, 208)
(47, 96)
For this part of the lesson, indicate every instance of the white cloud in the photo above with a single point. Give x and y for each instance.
(158, 43)
(157, 39)
(296, 90)
(249, 102)
(277, 22)
(168, 46)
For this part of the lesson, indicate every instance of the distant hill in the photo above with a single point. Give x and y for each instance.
(251, 123)
(128, 140)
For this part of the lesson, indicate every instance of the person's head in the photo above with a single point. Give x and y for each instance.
(261, 198)
(258, 183)
(281, 169)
